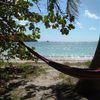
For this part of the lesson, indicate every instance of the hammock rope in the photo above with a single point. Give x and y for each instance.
(85, 73)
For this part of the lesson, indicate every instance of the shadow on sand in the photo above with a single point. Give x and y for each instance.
(54, 92)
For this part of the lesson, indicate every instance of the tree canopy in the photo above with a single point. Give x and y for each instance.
(11, 30)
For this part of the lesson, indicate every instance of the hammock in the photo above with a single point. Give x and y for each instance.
(85, 73)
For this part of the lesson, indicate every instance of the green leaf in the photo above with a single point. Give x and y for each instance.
(71, 26)
(45, 19)
(72, 18)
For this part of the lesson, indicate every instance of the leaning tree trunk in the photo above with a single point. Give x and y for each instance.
(91, 88)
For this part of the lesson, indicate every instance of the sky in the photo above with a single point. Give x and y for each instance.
(87, 25)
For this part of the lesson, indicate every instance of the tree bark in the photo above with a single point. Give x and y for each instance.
(96, 60)
(91, 88)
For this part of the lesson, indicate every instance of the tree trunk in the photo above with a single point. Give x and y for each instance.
(91, 88)
(96, 60)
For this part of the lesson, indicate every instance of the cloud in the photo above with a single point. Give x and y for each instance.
(91, 15)
(92, 28)
(79, 25)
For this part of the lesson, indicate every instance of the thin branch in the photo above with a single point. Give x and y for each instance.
(8, 24)
(59, 9)
(37, 6)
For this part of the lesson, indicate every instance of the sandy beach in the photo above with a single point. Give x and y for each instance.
(46, 80)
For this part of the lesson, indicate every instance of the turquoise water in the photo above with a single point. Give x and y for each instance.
(69, 49)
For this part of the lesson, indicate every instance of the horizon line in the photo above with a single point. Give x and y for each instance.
(64, 41)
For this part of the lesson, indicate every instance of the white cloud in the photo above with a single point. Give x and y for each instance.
(79, 25)
(91, 15)
(92, 28)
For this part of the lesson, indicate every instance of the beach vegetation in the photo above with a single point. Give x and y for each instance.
(1, 63)
(87, 63)
(24, 70)
(33, 71)
(79, 63)
(62, 76)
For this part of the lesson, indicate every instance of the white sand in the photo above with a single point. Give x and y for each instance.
(60, 59)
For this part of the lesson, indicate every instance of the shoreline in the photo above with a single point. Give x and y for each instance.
(60, 59)
(70, 58)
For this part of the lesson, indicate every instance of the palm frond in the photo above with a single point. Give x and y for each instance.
(72, 8)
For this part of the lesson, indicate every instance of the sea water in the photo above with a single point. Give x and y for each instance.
(64, 49)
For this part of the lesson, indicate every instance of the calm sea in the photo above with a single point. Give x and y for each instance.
(69, 49)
